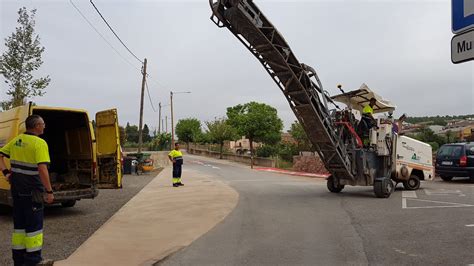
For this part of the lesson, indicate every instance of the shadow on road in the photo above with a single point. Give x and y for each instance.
(49, 211)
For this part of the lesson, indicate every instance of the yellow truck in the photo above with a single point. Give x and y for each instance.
(82, 161)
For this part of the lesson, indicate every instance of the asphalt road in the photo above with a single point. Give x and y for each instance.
(287, 220)
(65, 229)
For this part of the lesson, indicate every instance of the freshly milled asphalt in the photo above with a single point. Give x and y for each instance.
(284, 220)
(65, 229)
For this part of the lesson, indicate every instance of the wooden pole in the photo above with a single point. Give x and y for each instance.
(140, 138)
(159, 118)
(172, 121)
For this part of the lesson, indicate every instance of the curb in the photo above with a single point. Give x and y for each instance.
(282, 171)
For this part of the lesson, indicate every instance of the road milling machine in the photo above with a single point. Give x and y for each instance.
(353, 155)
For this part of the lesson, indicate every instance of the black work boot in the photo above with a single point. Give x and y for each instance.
(46, 263)
(180, 184)
(176, 185)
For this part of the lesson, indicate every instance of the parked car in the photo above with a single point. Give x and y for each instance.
(455, 160)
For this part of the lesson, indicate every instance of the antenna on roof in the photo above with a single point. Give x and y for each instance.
(339, 86)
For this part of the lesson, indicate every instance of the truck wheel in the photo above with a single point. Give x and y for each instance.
(68, 204)
(413, 183)
(383, 188)
(446, 178)
(333, 187)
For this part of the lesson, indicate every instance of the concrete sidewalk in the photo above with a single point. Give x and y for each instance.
(158, 221)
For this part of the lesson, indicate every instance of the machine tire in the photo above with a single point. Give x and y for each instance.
(383, 188)
(413, 183)
(446, 178)
(68, 204)
(333, 187)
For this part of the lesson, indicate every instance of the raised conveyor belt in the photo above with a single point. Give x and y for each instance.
(306, 98)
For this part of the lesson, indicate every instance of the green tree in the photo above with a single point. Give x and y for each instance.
(132, 133)
(449, 136)
(161, 141)
(257, 121)
(123, 135)
(267, 151)
(203, 138)
(146, 134)
(21, 57)
(287, 151)
(219, 131)
(188, 130)
(437, 120)
(427, 135)
(299, 135)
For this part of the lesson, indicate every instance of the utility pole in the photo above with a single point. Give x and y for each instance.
(159, 118)
(166, 118)
(140, 137)
(172, 122)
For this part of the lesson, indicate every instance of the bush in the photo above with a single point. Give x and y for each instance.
(161, 142)
(266, 151)
(434, 145)
(287, 151)
(130, 145)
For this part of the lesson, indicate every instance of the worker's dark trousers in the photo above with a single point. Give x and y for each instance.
(27, 239)
(177, 170)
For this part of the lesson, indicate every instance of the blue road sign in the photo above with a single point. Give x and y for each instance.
(462, 15)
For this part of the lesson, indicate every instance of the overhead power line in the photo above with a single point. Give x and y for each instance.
(149, 97)
(115, 33)
(160, 85)
(116, 51)
(102, 36)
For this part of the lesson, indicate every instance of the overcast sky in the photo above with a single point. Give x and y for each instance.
(400, 49)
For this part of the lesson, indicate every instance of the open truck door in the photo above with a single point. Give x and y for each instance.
(108, 149)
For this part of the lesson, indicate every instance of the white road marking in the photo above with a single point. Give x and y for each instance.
(207, 165)
(409, 194)
(404, 252)
(470, 225)
(405, 195)
(448, 204)
(443, 192)
(400, 251)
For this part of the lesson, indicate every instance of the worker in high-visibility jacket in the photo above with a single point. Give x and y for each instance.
(30, 187)
(368, 113)
(369, 109)
(176, 157)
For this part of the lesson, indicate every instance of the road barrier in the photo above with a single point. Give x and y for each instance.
(258, 161)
